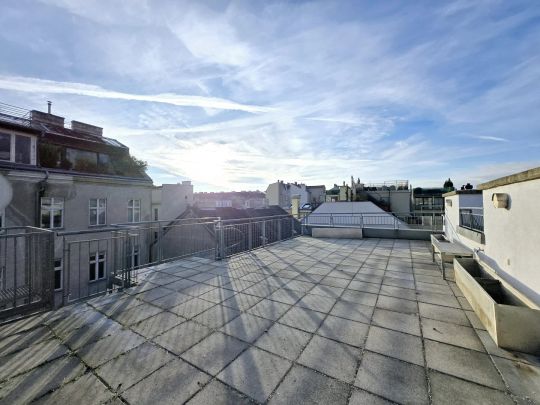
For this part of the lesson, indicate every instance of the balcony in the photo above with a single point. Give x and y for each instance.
(299, 321)
(472, 218)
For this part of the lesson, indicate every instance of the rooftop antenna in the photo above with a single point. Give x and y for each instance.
(49, 103)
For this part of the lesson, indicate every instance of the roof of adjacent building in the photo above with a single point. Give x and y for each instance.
(344, 207)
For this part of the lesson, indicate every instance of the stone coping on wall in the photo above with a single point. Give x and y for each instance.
(527, 175)
(456, 192)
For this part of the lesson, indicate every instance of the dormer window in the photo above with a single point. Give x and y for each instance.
(17, 148)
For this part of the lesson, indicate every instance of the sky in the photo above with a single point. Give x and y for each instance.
(236, 95)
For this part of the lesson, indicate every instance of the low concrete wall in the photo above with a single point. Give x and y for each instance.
(339, 233)
(414, 234)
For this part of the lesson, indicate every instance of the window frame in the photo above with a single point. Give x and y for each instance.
(51, 210)
(134, 206)
(59, 268)
(2, 218)
(98, 211)
(12, 147)
(96, 261)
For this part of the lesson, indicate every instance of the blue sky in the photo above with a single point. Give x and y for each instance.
(235, 95)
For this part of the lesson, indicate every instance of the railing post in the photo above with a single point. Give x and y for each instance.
(279, 229)
(263, 232)
(331, 220)
(250, 235)
(160, 243)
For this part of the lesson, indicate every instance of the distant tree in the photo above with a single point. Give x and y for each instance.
(469, 186)
(448, 184)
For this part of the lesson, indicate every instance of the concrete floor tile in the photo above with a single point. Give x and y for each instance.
(217, 316)
(171, 300)
(393, 379)
(332, 358)
(40, 380)
(364, 286)
(286, 296)
(437, 299)
(395, 344)
(103, 327)
(361, 397)
(255, 373)
(157, 324)
(131, 367)
(153, 294)
(84, 389)
(30, 357)
(137, 314)
(241, 301)
(217, 393)
(359, 297)
(177, 382)
(467, 364)
(522, 378)
(446, 314)
(302, 318)
(191, 308)
(103, 350)
(451, 333)
(316, 303)
(448, 390)
(23, 340)
(268, 309)
(397, 304)
(246, 327)
(399, 321)
(305, 386)
(353, 311)
(284, 341)
(398, 292)
(344, 330)
(214, 352)
(182, 337)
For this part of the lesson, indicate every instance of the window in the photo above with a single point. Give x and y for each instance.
(133, 257)
(5, 146)
(52, 212)
(156, 214)
(97, 266)
(17, 148)
(134, 211)
(57, 274)
(97, 211)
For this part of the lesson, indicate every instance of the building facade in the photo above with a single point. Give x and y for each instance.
(234, 199)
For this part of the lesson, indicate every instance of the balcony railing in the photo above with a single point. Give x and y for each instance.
(99, 261)
(472, 218)
(428, 221)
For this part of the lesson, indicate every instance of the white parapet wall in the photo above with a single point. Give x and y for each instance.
(338, 233)
(453, 201)
(512, 233)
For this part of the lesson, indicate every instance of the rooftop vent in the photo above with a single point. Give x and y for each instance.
(86, 128)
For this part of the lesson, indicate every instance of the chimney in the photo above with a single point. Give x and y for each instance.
(49, 103)
(46, 118)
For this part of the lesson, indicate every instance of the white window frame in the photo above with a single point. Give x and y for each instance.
(54, 200)
(95, 260)
(134, 211)
(59, 268)
(13, 136)
(99, 209)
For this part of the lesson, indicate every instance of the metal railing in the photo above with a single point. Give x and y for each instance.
(472, 218)
(99, 261)
(240, 235)
(26, 270)
(424, 221)
(15, 115)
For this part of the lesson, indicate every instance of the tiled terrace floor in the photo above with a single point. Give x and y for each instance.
(303, 321)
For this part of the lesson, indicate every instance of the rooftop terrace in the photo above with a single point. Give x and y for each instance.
(301, 321)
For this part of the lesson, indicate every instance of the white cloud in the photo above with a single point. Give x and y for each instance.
(29, 84)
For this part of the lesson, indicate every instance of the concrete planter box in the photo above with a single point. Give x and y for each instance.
(512, 324)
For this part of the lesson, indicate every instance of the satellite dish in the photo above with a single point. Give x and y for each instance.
(6, 192)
